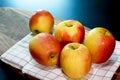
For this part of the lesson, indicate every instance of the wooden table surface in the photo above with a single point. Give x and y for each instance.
(14, 25)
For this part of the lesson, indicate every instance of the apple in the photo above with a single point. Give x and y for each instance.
(41, 21)
(75, 60)
(69, 31)
(45, 49)
(101, 44)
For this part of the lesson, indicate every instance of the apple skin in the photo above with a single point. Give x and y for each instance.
(69, 31)
(45, 49)
(101, 44)
(75, 60)
(41, 21)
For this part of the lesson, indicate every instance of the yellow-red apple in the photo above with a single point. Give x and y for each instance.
(75, 60)
(45, 49)
(41, 21)
(101, 44)
(69, 31)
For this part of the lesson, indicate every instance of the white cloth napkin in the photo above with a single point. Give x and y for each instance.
(19, 57)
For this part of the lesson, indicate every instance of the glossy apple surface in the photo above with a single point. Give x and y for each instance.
(101, 44)
(45, 49)
(41, 21)
(75, 60)
(69, 31)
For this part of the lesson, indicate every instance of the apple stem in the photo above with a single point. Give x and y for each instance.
(73, 47)
(36, 31)
(69, 25)
(52, 56)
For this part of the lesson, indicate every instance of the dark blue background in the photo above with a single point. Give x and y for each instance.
(91, 13)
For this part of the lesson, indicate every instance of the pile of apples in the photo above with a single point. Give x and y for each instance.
(67, 45)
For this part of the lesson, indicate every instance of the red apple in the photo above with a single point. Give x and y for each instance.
(75, 60)
(45, 49)
(101, 44)
(41, 21)
(69, 31)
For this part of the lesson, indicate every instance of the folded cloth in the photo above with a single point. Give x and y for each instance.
(19, 57)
